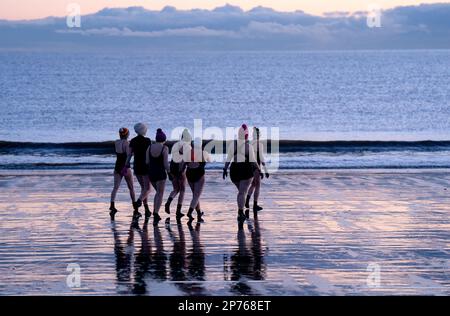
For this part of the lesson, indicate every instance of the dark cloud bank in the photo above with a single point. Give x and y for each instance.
(230, 28)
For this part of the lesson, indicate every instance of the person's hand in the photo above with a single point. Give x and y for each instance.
(225, 173)
(267, 174)
(261, 175)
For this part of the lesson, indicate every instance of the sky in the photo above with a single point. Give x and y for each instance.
(34, 9)
(229, 28)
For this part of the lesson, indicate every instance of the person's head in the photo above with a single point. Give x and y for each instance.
(243, 132)
(256, 133)
(186, 136)
(160, 136)
(140, 129)
(124, 133)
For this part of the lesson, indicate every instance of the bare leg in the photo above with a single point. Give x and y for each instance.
(176, 189)
(117, 180)
(191, 185)
(112, 207)
(250, 192)
(172, 194)
(129, 180)
(257, 186)
(182, 188)
(159, 188)
(144, 182)
(243, 189)
(179, 187)
(197, 189)
(252, 186)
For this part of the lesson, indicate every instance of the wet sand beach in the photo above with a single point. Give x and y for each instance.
(321, 232)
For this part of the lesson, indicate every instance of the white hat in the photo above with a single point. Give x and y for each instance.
(186, 136)
(140, 129)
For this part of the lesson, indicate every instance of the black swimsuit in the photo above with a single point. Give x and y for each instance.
(175, 167)
(156, 170)
(121, 159)
(241, 170)
(139, 145)
(195, 174)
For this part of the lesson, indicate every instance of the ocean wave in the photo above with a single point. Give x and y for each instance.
(53, 166)
(284, 146)
(292, 154)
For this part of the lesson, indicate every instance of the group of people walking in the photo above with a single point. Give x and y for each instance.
(152, 168)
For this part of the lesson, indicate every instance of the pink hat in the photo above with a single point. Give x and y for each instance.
(243, 132)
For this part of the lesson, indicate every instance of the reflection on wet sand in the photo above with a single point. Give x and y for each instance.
(247, 262)
(158, 262)
(142, 261)
(123, 259)
(186, 268)
(196, 261)
(177, 258)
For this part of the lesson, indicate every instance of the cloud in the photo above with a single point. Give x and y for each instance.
(199, 31)
(229, 27)
(294, 30)
(252, 30)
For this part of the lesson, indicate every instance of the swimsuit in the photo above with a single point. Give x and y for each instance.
(175, 168)
(121, 159)
(195, 174)
(139, 145)
(241, 170)
(156, 170)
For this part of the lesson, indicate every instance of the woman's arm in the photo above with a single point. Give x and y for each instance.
(261, 158)
(129, 155)
(230, 156)
(147, 159)
(166, 158)
(252, 156)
